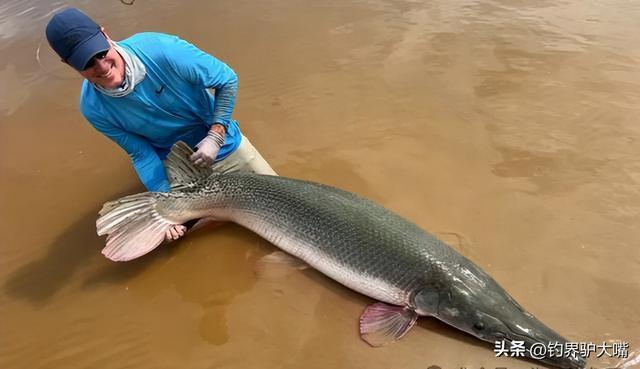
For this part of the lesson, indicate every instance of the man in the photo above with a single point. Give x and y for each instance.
(151, 90)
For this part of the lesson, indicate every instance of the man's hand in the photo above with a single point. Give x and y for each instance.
(175, 232)
(208, 148)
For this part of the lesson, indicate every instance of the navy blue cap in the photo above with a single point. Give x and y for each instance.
(75, 37)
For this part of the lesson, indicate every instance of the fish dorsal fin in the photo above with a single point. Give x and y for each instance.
(180, 169)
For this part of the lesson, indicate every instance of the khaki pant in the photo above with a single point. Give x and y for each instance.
(245, 159)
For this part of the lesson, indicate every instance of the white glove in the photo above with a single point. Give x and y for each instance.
(207, 149)
(175, 232)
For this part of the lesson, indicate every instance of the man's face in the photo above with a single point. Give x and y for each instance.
(105, 70)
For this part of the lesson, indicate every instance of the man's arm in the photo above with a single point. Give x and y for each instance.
(205, 71)
(145, 160)
(225, 99)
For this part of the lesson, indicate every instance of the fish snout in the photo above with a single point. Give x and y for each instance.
(571, 362)
(544, 344)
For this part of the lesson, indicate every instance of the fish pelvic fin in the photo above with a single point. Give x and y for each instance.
(279, 264)
(132, 225)
(381, 323)
(180, 169)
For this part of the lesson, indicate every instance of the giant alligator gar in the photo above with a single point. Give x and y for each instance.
(350, 239)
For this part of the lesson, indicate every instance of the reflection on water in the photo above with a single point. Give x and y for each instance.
(21, 18)
(508, 128)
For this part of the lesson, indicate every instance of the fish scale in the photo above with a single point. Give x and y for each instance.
(349, 238)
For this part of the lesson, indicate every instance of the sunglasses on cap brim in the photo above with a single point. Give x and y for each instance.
(98, 56)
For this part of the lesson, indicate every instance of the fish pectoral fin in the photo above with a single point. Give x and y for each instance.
(279, 264)
(381, 323)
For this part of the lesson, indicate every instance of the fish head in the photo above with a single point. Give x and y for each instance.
(480, 307)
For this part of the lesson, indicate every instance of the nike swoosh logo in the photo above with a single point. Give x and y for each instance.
(158, 91)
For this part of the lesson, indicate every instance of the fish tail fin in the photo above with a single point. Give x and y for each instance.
(132, 225)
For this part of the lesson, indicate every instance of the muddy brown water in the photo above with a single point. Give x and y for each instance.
(508, 128)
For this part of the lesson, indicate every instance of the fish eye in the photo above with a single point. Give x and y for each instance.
(478, 326)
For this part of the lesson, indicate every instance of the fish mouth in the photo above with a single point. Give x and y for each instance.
(550, 349)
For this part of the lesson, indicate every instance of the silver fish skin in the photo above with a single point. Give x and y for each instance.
(351, 240)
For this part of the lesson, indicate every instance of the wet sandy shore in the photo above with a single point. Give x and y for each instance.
(510, 130)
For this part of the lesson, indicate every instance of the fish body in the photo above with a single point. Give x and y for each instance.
(346, 237)
(352, 240)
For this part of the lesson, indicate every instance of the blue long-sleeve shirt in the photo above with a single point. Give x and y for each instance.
(172, 103)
